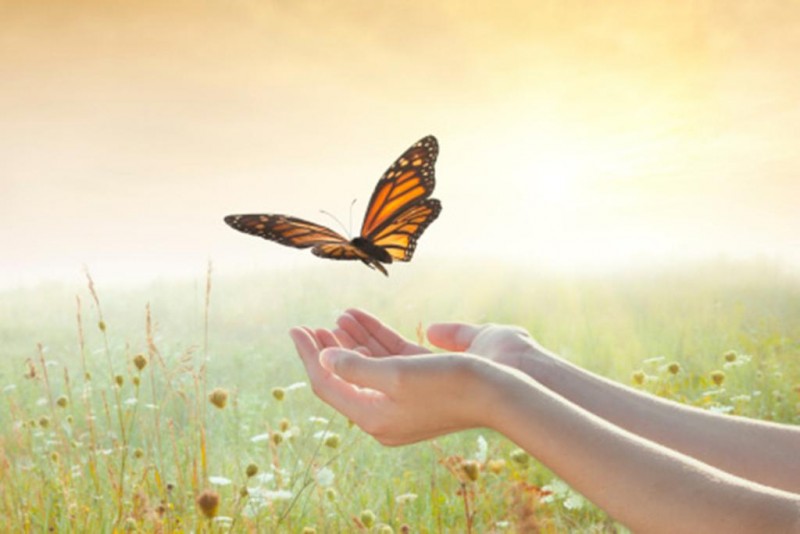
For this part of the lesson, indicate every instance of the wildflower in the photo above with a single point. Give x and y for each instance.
(208, 502)
(136, 381)
(718, 377)
(219, 481)
(62, 401)
(54, 456)
(44, 421)
(333, 440)
(330, 494)
(296, 385)
(278, 393)
(130, 524)
(119, 380)
(218, 397)
(638, 377)
(251, 470)
(140, 361)
(367, 518)
(674, 368)
(385, 529)
(319, 420)
(471, 468)
(138, 453)
(325, 477)
(277, 438)
(730, 356)
(101, 325)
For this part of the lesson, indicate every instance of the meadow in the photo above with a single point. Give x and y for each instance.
(180, 406)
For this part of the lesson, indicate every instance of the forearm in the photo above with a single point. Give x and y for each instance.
(760, 451)
(646, 486)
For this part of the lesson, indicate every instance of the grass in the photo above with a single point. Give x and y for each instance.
(180, 406)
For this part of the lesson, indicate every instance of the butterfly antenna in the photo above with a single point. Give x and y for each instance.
(337, 222)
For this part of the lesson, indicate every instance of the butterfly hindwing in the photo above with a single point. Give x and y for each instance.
(399, 236)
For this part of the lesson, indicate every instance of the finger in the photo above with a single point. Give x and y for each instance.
(360, 335)
(326, 338)
(355, 368)
(453, 336)
(387, 337)
(341, 395)
(345, 339)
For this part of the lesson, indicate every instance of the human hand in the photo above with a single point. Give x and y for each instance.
(507, 345)
(396, 399)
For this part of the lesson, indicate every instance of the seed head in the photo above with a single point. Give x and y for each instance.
(62, 401)
(333, 441)
(140, 361)
(638, 377)
(471, 468)
(309, 530)
(674, 368)
(138, 453)
(520, 457)
(284, 424)
(278, 393)
(277, 438)
(367, 518)
(44, 421)
(208, 502)
(496, 465)
(218, 397)
(718, 377)
(136, 380)
(251, 470)
(730, 356)
(119, 379)
(101, 325)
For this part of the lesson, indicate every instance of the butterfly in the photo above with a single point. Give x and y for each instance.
(398, 212)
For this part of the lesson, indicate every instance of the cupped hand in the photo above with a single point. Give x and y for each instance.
(507, 345)
(396, 399)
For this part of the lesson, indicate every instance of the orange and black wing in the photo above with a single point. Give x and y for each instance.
(297, 233)
(399, 209)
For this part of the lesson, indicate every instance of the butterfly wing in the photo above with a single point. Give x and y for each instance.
(399, 209)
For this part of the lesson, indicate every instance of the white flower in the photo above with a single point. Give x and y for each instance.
(131, 401)
(259, 498)
(720, 408)
(320, 420)
(219, 481)
(405, 498)
(741, 359)
(483, 450)
(322, 435)
(10, 387)
(296, 385)
(262, 479)
(325, 477)
(259, 438)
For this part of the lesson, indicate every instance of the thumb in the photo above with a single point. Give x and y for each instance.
(355, 368)
(453, 336)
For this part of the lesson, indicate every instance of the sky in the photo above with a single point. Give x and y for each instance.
(574, 134)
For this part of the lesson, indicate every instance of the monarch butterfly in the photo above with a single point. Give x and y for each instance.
(398, 212)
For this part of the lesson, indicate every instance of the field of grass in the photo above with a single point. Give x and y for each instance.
(178, 407)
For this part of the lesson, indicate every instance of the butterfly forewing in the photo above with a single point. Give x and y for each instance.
(409, 180)
(285, 230)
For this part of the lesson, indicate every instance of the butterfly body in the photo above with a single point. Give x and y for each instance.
(398, 212)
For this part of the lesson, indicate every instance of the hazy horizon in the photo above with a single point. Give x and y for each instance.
(574, 135)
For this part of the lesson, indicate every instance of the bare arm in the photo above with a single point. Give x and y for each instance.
(760, 451)
(403, 399)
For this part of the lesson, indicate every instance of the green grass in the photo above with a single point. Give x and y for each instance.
(89, 442)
